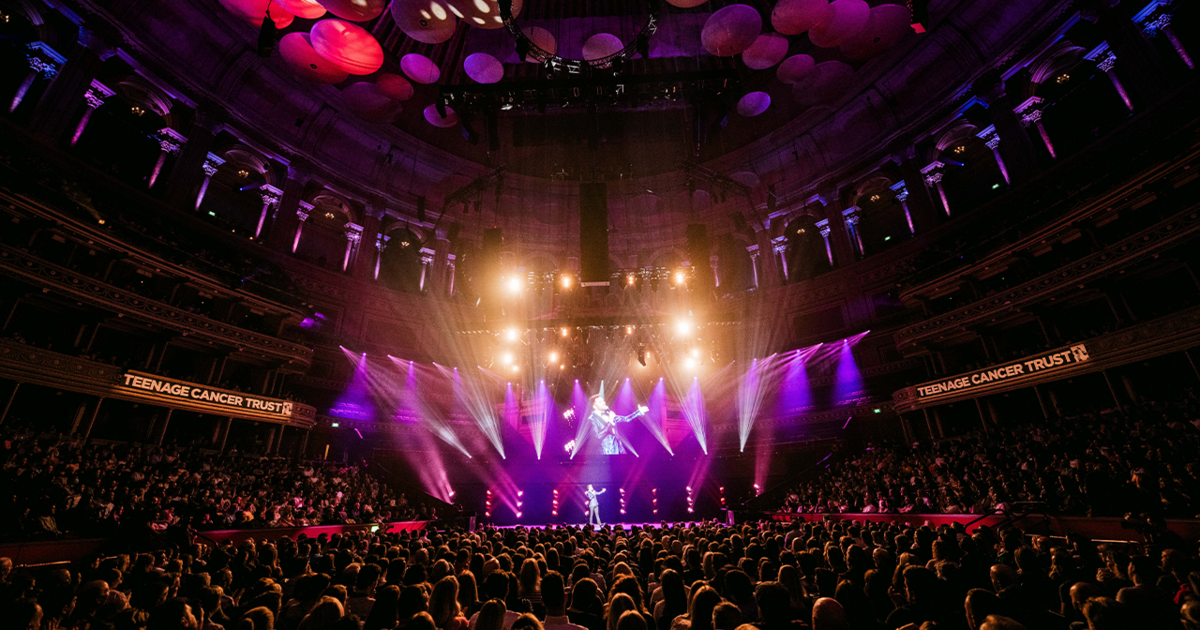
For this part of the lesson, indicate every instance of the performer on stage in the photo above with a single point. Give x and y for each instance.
(604, 424)
(594, 505)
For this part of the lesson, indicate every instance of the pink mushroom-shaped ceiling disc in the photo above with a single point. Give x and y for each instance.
(253, 11)
(888, 24)
(435, 119)
(420, 68)
(306, 9)
(753, 104)
(846, 19)
(766, 51)
(348, 46)
(731, 30)
(601, 45)
(297, 51)
(686, 4)
(828, 81)
(792, 17)
(483, 68)
(427, 21)
(355, 10)
(368, 102)
(795, 68)
(482, 13)
(394, 86)
(542, 39)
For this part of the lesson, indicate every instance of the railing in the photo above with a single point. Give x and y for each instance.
(38, 272)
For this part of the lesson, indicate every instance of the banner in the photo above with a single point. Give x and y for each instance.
(210, 395)
(1038, 364)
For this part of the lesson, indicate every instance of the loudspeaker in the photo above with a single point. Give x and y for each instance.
(421, 209)
(593, 232)
(268, 36)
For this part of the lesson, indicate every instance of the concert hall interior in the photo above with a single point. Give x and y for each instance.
(456, 265)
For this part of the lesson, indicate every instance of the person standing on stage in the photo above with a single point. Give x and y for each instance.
(594, 505)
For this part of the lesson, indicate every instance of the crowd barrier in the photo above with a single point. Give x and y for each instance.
(71, 549)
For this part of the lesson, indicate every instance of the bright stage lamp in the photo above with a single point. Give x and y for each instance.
(690, 363)
(514, 285)
(684, 326)
(566, 281)
(553, 357)
(629, 279)
(629, 330)
(512, 334)
(696, 352)
(565, 332)
(679, 277)
(507, 358)
(515, 368)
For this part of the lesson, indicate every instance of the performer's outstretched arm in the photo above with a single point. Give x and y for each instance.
(602, 490)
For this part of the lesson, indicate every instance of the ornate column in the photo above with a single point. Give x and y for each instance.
(779, 246)
(171, 142)
(902, 196)
(917, 202)
(302, 214)
(381, 241)
(933, 174)
(449, 275)
(211, 162)
(362, 261)
(270, 198)
(1030, 112)
(1106, 61)
(437, 275)
(1160, 22)
(59, 103)
(94, 98)
(714, 262)
(187, 172)
(1137, 60)
(354, 233)
(280, 233)
(852, 216)
(43, 61)
(992, 140)
(753, 249)
(427, 257)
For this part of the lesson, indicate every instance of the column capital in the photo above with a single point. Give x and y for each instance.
(170, 140)
(779, 244)
(270, 195)
(304, 211)
(989, 137)
(901, 190)
(427, 255)
(381, 241)
(211, 162)
(933, 172)
(97, 93)
(753, 250)
(353, 232)
(1030, 110)
(44, 59)
(1103, 57)
(853, 215)
(823, 228)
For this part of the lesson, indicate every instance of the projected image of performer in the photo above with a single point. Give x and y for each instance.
(604, 424)
(594, 505)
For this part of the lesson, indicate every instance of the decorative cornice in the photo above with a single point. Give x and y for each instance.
(933, 173)
(989, 137)
(211, 162)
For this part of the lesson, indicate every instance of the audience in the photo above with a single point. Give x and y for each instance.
(882, 576)
(60, 485)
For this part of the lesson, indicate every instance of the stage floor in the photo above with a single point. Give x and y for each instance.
(624, 526)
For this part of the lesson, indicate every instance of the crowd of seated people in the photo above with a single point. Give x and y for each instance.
(1101, 464)
(835, 575)
(59, 485)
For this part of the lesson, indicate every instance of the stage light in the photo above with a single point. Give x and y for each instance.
(629, 330)
(512, 334)
(553, 356)
(696, 352)
(684, 326)
(562, 366)
(566, 281)
(679, 277)
(565, 332)
(690, 363)
(514, 285)
(515, 367)
(629, 279)
(507, 358)
(520, 493)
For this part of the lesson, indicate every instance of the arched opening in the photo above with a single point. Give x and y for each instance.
(323, 239)
(806, 255)
(400, 264)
